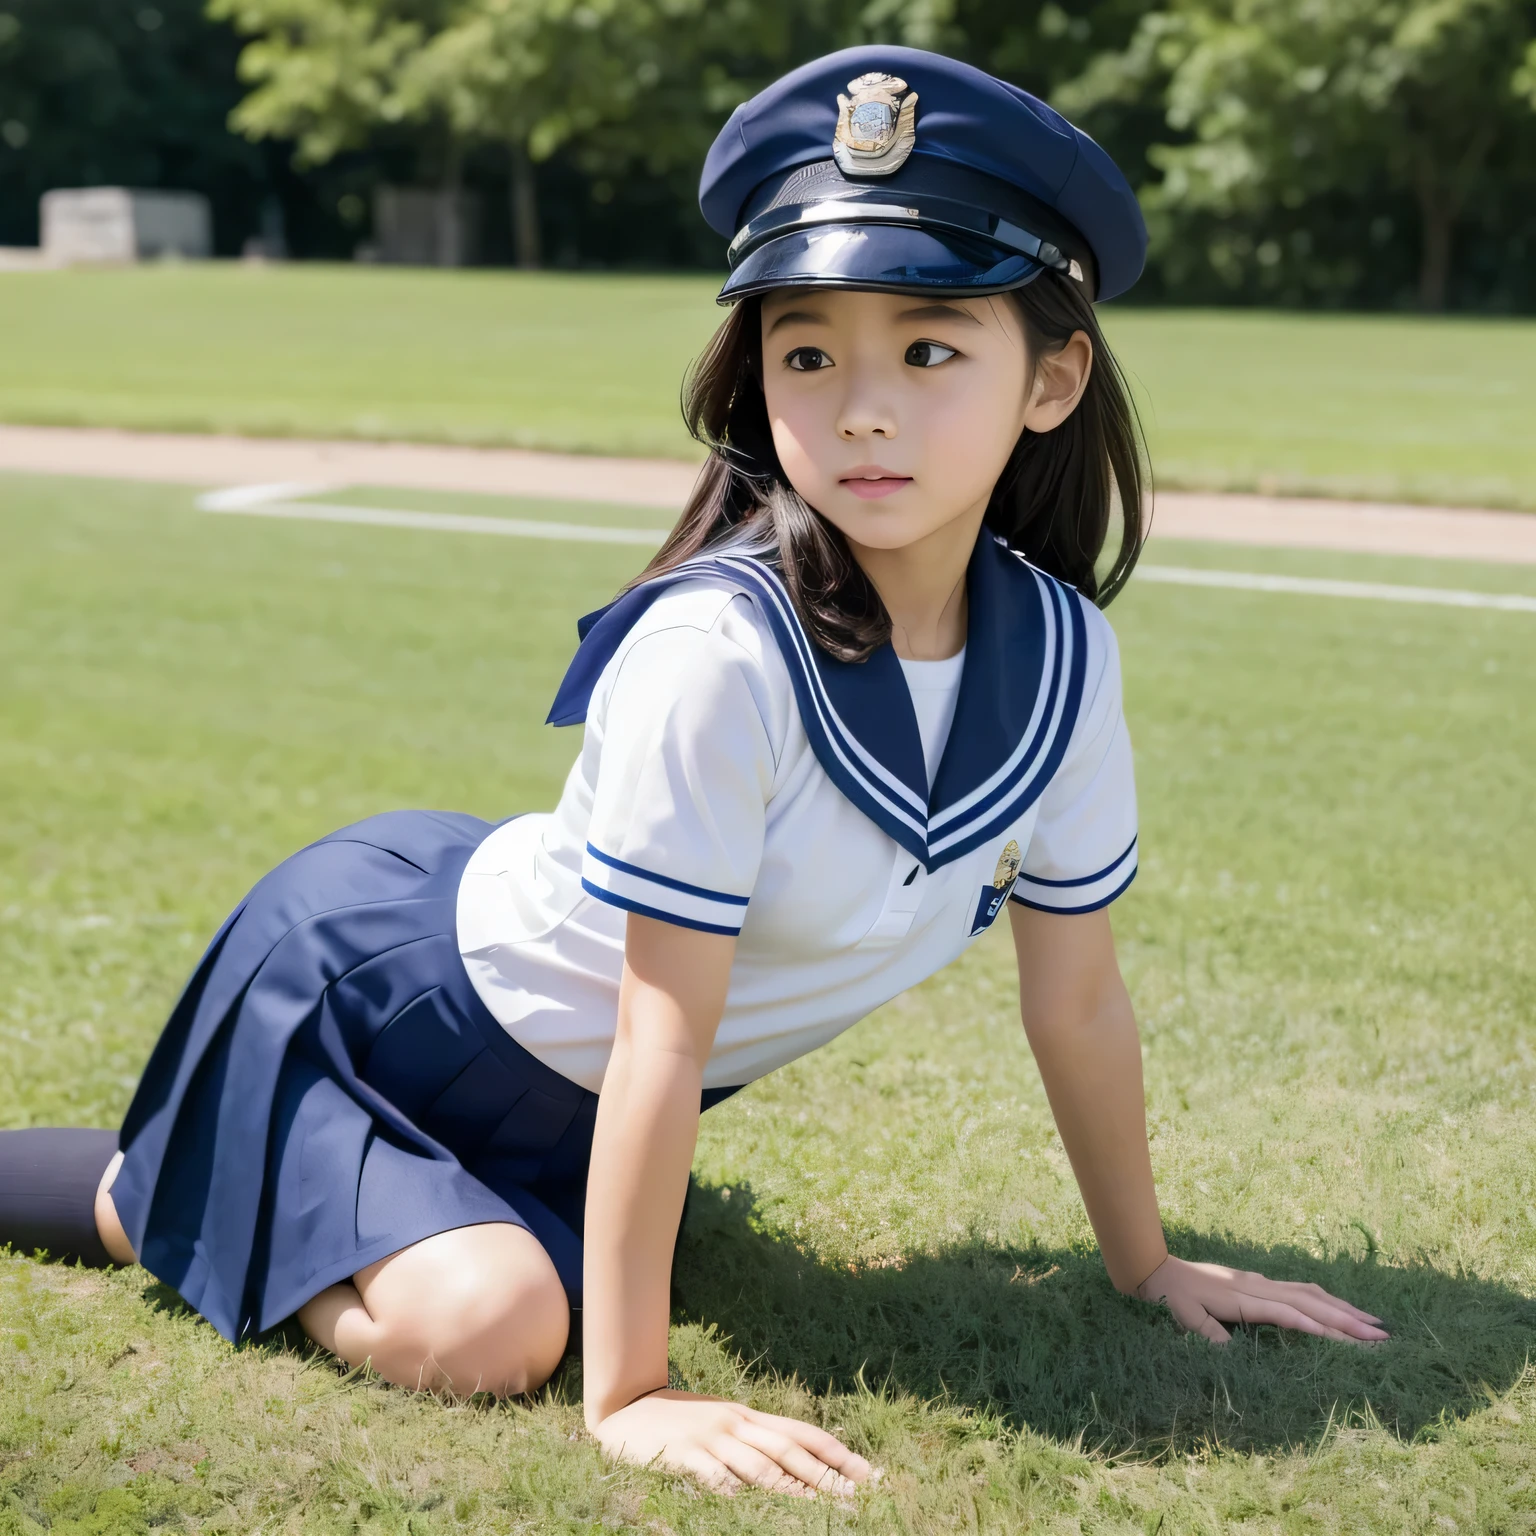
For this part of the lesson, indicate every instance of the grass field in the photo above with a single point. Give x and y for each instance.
(1395, 408)
(1332, 949)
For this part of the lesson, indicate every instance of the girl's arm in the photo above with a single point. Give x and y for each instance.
(670, 1002)
(1082, 1031)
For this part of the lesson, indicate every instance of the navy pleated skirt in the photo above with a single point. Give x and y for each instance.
(330, 1089)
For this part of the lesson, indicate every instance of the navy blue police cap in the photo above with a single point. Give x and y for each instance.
(895, 169)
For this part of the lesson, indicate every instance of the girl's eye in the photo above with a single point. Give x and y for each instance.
(808, 360)
(928, 354)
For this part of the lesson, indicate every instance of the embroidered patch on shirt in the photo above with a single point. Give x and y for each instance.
(994, 896)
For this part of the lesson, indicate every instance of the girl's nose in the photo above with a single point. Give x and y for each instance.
(866, 412)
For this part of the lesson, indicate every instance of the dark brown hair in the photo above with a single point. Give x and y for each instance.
(1052, 503)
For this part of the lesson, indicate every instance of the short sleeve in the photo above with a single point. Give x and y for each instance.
(1083, 851)
(682, 783)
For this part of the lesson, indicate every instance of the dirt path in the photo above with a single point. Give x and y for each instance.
(1278, 522)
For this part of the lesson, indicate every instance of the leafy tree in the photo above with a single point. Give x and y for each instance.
(674, 81)
(533, 75)
(1525, 76)
(1292, 114)
(628, 93)
(327, 77)
(625, 87)
(325, 71)
(528, 75)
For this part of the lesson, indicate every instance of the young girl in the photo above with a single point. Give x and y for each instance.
(437, 1083)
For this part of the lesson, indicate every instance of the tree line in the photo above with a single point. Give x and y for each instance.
(1373, 153)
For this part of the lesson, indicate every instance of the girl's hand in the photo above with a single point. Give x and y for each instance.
(725, 1445)
(1204, 1296)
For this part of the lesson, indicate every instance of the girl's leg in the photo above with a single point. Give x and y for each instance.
(474, 1309)
(113, 1238)
(49, 1177)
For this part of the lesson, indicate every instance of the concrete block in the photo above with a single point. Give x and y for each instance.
(117, 224)
(425, 227)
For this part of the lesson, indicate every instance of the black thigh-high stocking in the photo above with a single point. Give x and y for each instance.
(48, 1182)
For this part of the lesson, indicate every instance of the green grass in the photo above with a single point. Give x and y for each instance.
(410, 499)
(589, 363)
(1388, 407)
(1332, 949)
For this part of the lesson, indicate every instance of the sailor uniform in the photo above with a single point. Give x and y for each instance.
(738, 780)
(404, 1028)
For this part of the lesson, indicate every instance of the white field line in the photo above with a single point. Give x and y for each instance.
(1316, 586)
(243, 498)
(267, 501)
(272, 501)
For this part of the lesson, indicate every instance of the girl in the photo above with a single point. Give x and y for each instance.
(437, 1083)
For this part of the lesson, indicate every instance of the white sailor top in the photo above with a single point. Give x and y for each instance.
(737, 779)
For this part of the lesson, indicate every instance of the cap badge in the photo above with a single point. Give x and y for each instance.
(1007, 866)
(876, 126)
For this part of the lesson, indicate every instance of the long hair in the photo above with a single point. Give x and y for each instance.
(1053, 502)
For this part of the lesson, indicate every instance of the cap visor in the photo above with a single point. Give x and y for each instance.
(881, 256)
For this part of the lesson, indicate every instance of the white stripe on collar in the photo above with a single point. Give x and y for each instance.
(1020, 619)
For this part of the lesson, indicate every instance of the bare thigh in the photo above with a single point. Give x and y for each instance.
(108, 1227)
(474, 1309)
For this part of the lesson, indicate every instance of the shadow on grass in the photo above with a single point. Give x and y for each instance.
(159, 1297)
(1039, 1337)
(287, 1335)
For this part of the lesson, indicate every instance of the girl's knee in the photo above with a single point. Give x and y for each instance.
(483, 1311)
(500, 1338)
(475, 1343)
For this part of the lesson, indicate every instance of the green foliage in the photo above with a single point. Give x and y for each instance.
(1525, 76)
(529, 72)
(1299, 152)
(1319, 151)
(630, 81)
(324, 73)
(632, 86)
(1330, 947)
(1306, 132)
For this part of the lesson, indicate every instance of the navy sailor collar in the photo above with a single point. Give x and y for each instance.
(1020, 694)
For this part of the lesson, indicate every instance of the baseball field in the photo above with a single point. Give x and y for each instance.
(1331, 945)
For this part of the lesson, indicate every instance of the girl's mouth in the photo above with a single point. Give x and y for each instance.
(870, 483)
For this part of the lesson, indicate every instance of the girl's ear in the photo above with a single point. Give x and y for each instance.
(1058, 384)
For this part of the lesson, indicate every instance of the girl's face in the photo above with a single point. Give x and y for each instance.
(893, 414)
